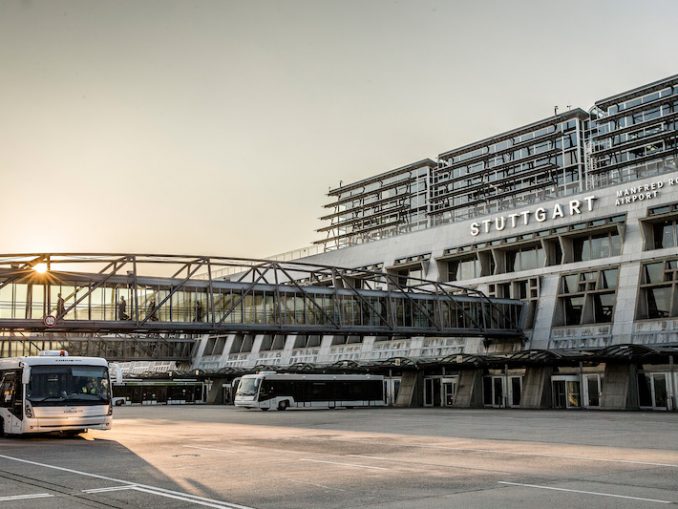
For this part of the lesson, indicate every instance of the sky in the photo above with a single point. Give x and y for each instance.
(217, 127)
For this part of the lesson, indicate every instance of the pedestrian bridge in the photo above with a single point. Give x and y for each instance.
(145, 306)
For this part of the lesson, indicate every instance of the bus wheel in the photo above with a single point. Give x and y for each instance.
(2, 427)
(283, 405)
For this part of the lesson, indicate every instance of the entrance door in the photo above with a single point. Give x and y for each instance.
(566, 391)
(432, 391)
(449, 390)
(391, 388)
(440, 391)
(493, 391)
(653, 390)
(591, 391)
(515, 391)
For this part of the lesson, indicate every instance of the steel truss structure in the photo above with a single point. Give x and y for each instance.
(147, 297)
(114, 347)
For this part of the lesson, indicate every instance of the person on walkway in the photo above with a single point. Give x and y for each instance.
(122, 309)
(61, 306)
(198, 311)
(151, 312)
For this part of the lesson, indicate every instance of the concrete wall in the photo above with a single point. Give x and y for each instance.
(536, 392)
(620, 387)
(469, 389)
(409, 394)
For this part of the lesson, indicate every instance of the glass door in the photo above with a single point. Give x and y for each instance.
(437, 389)
(449, 391)
(515, 390)
(591, 391)
(493, 391)
(566, 391)
(653, 391)
(391, 388)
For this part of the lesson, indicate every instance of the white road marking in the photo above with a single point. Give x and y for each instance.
(208, 448)
(315, 484)
(25, 497)
(514, 453)
(344, 464)
(112, 488)
(586, 492)
(194, 499)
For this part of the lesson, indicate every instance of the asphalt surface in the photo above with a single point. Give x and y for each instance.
(223, 457)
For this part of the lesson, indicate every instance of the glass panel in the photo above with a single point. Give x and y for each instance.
(498, 392)
(659, 390)
(559, 400)
(644, 390)
(573, 310)
(570, 283)
(594, 393)
(603, 306)
(428, 392)
(515, 391)
(572, 394)
(664, 234)
(658, 302)
(580, 248)
(615, 244)
(608, 278)
(654, 272)
(487, 390)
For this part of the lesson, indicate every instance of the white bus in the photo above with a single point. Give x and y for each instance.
(54, 392)
(277, 390)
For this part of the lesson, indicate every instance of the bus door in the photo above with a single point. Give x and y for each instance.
(11, 399)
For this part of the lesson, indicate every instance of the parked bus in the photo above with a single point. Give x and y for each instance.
(54, 392)
(277, 390)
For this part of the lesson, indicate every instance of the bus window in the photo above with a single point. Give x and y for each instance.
(248, 387)
(267, 390)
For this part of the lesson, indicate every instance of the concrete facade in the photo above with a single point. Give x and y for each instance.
(593, 254)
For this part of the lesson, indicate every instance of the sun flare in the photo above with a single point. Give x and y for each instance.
(40, 268)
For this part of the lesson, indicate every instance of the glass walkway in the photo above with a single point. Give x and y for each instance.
(145, 297)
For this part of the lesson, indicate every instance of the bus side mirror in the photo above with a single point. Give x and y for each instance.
(26, 375)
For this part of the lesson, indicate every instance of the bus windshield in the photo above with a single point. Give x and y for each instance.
(59, 385)
(248, 387)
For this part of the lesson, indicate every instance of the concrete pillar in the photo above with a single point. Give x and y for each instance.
(215, 395)
(620, 387)
(409, 394)
(546, 308)
(469, 389)
(537, 388)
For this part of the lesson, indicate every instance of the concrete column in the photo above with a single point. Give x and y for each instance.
(620, 387)
(537, 388)
(469, 389)
(215, 396)
(546, 306)
(409, 394)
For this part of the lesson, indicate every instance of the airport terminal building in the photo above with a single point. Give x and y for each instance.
(576, 215)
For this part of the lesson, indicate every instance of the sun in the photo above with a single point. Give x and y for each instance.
(40, 268)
